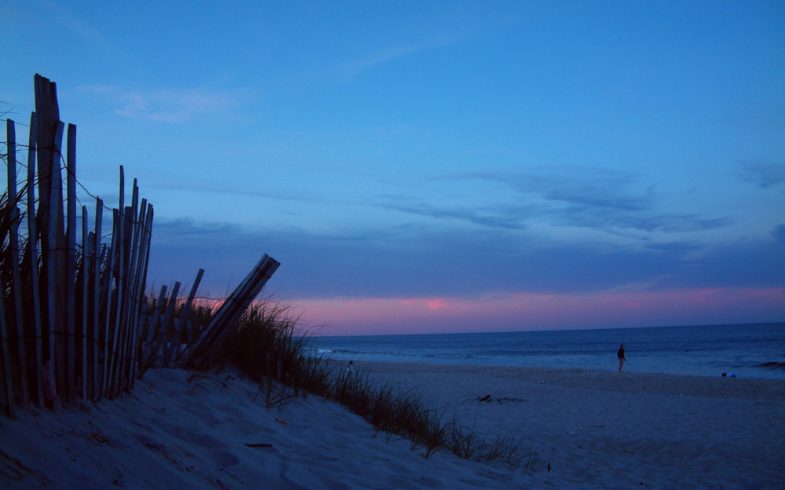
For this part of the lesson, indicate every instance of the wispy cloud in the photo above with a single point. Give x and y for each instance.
(596, 199)
(505, 219)
(169, 105)
(66, 19)
(763, 174)
(357, 66)
(576, 187)
(606, 200)
(645, 220)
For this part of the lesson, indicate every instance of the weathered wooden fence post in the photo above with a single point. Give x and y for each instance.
(18, 328)
(32, 243)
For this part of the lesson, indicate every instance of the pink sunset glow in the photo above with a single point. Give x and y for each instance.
(539, 311)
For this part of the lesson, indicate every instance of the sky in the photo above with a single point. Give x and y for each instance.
(436, 166)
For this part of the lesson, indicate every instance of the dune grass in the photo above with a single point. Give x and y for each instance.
(265, 348)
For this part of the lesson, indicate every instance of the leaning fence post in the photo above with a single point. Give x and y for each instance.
(210, 340)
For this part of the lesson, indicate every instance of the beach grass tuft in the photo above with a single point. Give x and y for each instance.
(264, 348)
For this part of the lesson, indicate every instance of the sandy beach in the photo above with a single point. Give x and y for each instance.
(616, 430)
(594, 429)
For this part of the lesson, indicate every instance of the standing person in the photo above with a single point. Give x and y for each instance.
(620, 355)
(349, 368)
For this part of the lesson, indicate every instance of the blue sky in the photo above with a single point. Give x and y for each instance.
(416, 165)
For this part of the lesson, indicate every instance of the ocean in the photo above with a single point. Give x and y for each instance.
(744, 351)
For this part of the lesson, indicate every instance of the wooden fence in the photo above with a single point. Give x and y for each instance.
(75, 321)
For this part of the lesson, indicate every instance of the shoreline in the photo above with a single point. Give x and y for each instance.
(767, 371)
(712, 386)
(752, 352)
(771, 371)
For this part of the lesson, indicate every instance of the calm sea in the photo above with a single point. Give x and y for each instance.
(749, 351)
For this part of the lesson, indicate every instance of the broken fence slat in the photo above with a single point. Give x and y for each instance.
(218, 318)
(265, 273)
(210, 341)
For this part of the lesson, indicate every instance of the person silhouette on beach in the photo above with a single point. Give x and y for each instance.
(349, 368)
(620, 355)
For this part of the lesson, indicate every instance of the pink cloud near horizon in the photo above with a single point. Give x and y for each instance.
(540, 311)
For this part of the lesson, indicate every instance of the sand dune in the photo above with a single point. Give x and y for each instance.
(182, 431)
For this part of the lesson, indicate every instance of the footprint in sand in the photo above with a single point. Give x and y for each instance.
(223, 459)
(197, 439)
